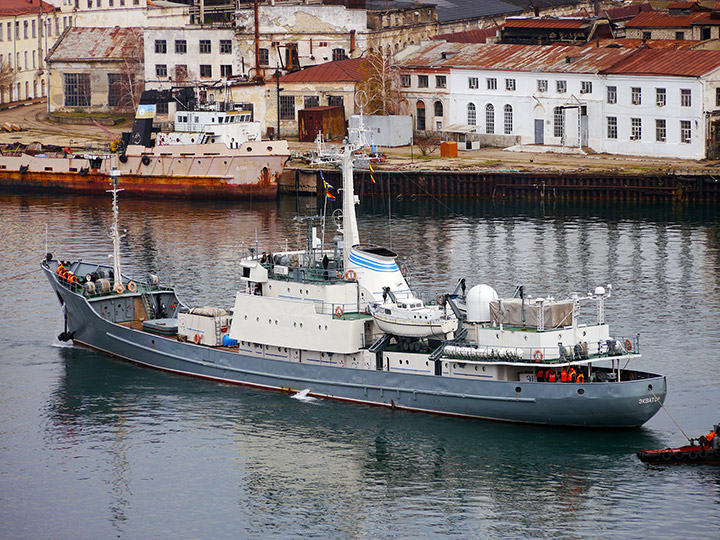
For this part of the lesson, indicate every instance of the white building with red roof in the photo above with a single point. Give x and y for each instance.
(645, 102)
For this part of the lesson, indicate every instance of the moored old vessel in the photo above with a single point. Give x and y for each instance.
(303, 321)
(223, 157)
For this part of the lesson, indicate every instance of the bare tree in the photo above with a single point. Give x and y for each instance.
(7, 79)
(131, 82)
(381, 82)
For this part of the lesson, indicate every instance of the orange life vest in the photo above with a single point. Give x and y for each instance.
(550, 376)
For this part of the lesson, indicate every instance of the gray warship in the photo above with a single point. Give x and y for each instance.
(341, 322)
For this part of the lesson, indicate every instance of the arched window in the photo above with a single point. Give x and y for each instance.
(472, 114)
(438, 108)
(489, 118)
(558, 122)
(508, 117)
(420, 116)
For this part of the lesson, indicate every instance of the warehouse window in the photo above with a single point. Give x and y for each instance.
(612, 127)
(77, 89)
(489, 118)
(287, 107)
(558, 122)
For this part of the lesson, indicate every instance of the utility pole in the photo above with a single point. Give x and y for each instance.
(277, 83)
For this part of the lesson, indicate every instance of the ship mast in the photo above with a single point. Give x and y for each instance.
(115, 230)
(351, 235)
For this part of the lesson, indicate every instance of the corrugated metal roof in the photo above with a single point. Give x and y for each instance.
(98, 44)
(638, 43)
(23, 7)
(469, 36)
(688, 63)
(654, 19)
(565, 59)
(339, 71)
(551, 58)
(545, 23)
(627, 12)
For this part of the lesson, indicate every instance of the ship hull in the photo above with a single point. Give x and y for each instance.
(181, 172)
(619, 404)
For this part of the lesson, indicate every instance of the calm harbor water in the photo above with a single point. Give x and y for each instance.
(92, 447)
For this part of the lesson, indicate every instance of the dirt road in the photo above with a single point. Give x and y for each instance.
(37, 129)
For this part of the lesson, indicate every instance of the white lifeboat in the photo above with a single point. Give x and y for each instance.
(411, 318)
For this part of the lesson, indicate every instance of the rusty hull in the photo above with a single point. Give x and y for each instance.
(208, 171)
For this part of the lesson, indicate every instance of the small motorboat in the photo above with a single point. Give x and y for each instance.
(706, 449)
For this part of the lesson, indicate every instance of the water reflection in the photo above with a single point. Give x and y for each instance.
(155, 454)
(344, 466)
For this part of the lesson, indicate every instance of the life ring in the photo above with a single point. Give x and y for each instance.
(702, 453)
(350, 274)
(581, 378)
(197, 339)
(145, 160)
(338, 312)
(119, 288)
(538, 355)
(628, 345)
(692, 455)
(667, 456)
(339, 274)
(132, 287)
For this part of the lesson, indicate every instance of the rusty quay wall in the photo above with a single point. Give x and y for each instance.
(527, 185)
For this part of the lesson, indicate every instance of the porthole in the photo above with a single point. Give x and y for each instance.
(584, 333)
(650, 387)
(295, 324)
(476, 368)
(257, 319)
(326, 327)
(497, 336)
(276, 322)
(518, 389)
(300, 325)
(246, 317)
(581, 391)
(269, 148)
(269, 321)
(249, 149)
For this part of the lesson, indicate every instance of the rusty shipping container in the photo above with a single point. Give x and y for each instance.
(328, 120)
